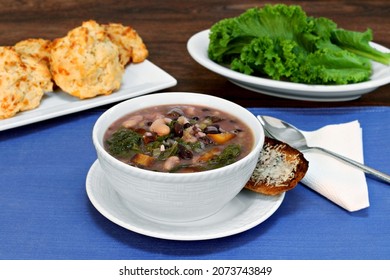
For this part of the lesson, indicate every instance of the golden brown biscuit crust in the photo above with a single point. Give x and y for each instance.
(130, 44)
(36, 48)
(36, 53)
(85, 63)
(19, 89)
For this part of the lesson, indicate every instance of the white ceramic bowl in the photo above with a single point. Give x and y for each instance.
(176, 197)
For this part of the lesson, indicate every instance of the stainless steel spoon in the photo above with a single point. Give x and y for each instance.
(291, 135)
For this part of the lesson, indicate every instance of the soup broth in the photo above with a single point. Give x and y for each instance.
(179, 138)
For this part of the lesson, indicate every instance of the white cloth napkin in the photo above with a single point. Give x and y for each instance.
(339, 182)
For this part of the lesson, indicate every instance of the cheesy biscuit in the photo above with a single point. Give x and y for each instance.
(36, 53)
(85, 63)
(19, 90)
(130, 44)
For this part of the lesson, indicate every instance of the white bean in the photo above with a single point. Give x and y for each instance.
(171, 162)
(133, 121)
(159, 127)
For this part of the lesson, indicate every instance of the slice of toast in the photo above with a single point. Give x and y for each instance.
(279, 168)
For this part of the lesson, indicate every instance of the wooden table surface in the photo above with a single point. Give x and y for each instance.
(46, 214)
(166, 26)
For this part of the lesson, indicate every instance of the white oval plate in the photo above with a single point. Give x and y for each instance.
(245, 211)
(197, 47)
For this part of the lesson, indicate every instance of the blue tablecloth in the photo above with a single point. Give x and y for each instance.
(46, 214)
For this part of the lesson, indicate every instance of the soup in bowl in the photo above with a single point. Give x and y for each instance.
(177, 157)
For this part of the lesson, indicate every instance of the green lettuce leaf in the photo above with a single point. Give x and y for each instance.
(359, 43)
(283, 43)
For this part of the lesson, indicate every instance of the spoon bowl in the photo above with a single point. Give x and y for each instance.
(291, 135)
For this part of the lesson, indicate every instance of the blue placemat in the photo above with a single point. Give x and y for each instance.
(45, 212)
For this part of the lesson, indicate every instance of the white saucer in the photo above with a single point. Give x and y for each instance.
(244, 212)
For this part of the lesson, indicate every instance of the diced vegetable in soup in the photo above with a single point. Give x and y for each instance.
(179, 138)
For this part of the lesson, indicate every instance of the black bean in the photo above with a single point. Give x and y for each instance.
(212, 129)
(149, 137)
(178, 129)
(184, 153)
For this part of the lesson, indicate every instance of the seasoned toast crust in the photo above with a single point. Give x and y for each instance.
(280, 167)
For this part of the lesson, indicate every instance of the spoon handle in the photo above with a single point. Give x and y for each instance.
(363, 167)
